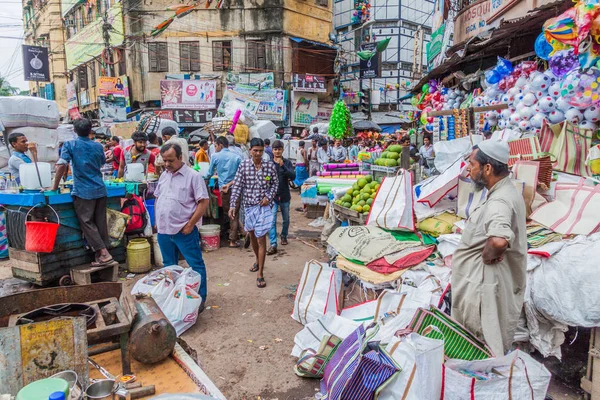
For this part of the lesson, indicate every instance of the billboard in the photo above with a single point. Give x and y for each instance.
(259, 80)
(309, 83)
(113, 110)
(89, 43)
(272, 102)
(112, 86)
(36, 64)
(233, 101)
(188, 94)
(305, 108)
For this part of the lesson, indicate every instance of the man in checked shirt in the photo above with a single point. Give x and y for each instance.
(258, 181)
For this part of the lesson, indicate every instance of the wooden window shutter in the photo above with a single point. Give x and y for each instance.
(163, 54)
(195, 56)
(217, 54)
(184, 57)
(251, 55)
(153, 57)
(261, 56)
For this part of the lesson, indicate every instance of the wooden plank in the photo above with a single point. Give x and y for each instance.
(85, 274)
(40, 279)
(99, 335)
(595, 377)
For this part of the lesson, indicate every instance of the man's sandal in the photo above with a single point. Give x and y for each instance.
(261, 283)
(254, 268)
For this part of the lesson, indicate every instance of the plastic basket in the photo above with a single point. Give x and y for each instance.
(40, 236)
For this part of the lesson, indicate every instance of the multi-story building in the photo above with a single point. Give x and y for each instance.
(407, 23)
(211, 41)
(43, 27)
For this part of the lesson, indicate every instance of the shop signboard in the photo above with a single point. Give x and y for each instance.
(193, 118)
(164, 114)
(112, 86)
(71, 96)
(371, 68)
(272, 105)
(324, 112)
(35, 63)
(472, 21)
(499, 7)
(188, 94)
(88, 43)
(305, 107)
(309, 83)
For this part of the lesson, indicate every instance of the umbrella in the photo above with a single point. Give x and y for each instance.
(366, 126)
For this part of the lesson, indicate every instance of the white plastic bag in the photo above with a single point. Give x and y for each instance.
(393, 205)
(317, 292)
(433, 189)
(515, 376)
(181, 307)
(330, 324)
(448, 151)
(158, 284)
(421, 359)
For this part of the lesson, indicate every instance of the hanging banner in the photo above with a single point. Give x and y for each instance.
(309, 83)
(233, 101)
(272, 102)
(259, 80)
(89, 42)
(71, 96)
(188, 94)
(35, 63)
(305, 107)
(434, 47)
(371, 68)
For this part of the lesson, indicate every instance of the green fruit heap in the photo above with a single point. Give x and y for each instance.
(390, 157)
(360, 196)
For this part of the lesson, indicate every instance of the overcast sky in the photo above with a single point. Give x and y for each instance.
(11, 26)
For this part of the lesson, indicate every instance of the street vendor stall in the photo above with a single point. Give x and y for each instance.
(43, 268)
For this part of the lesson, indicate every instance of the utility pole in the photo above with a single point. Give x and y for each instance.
(106, 28)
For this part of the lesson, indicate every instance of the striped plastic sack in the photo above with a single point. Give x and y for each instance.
(311, 363)
(569, 145)
(459, 343)
(525, 149)
(317, 292)
(358, 369)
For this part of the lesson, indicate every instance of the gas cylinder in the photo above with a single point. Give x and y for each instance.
(152, 337)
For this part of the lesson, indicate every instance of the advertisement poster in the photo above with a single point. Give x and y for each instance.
(309, 83)
(112, 85)
(272, 102)
(89, 42)
(188, 94)
(35, 63)
(233, 101)
(71, 96)
(370, 68)
(84, 98)
(114, 110)
(259, 80)
(305, 108)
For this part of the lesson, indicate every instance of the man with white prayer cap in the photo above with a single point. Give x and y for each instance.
(489, 266)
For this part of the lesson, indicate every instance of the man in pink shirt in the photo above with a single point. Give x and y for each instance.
(182, 199)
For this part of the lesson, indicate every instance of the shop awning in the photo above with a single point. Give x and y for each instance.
(300, 40)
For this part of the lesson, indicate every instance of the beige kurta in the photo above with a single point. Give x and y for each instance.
(487, 299)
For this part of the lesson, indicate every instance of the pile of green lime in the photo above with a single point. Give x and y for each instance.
(361, 196)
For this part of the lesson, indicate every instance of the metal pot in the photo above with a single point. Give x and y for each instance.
(75, 389)
(104, 389)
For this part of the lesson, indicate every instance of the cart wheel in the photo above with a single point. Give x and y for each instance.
(65, 280)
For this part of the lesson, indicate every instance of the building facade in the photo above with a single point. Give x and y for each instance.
(211, 41)
(43, 27)
(408, 25)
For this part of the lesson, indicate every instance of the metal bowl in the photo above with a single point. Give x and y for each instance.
(75, 389)
(102, 389)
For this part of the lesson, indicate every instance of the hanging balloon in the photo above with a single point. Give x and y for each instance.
(492, 76)
(562, 62)
(425, 88)
(581, 90)
(542, 47)
(503, 66)
(423, 118)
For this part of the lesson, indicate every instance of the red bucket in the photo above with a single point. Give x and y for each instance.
(40, 236)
